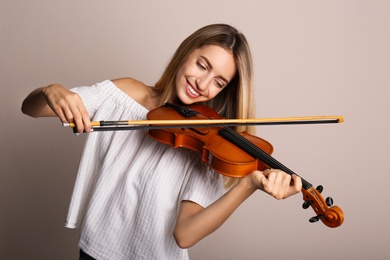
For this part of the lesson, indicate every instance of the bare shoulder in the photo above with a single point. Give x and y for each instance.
(131, 86)
(137, 90)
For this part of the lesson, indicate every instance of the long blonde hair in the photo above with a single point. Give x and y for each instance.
(236, 99)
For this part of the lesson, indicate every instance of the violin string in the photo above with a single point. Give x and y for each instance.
(243, 143)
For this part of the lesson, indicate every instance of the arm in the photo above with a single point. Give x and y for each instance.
(56, 100)
(195, 222)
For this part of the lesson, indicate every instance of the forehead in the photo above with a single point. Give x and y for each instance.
(221, 59)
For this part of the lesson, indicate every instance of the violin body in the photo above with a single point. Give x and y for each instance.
(224, 157)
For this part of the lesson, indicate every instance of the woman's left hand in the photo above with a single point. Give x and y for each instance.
(276, 183)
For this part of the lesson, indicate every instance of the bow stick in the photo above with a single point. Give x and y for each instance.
(199, 123)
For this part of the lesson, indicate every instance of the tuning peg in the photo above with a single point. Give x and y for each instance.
(329, 201)
(307, 204)
(320, 188)
(314, 219)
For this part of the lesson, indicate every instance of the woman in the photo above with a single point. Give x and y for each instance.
(135, 198)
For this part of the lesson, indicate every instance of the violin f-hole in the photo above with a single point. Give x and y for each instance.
(205, 132)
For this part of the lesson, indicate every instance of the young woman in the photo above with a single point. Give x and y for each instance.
(136, 198)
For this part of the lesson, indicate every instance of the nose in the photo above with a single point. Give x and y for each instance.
(202, 83)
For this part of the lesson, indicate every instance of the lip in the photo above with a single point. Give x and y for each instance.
(191, 92)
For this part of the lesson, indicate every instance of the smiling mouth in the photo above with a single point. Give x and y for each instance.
(191, 91)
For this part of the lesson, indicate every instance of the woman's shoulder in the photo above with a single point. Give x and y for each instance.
(137, 90)
(130, 85)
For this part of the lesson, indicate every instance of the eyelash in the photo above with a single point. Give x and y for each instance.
(202, 67)
(219, 84)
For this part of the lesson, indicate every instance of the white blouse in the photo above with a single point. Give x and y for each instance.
(129, 187)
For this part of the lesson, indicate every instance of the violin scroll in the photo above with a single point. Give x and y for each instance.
(331, 216)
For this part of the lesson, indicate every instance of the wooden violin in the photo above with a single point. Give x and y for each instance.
(235, 154)
(228, 152)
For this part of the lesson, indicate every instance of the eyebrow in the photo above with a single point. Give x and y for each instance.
(209, 64)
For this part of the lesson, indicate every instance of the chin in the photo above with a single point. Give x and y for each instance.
(185, 100)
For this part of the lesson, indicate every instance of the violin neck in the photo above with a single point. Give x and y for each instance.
(256, 152)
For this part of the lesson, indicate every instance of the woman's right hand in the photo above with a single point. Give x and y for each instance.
(56, 100)
(68, 106)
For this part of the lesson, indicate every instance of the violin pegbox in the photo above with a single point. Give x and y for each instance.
(331, 216)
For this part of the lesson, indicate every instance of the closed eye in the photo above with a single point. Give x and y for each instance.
(219, 84)
(201, 66)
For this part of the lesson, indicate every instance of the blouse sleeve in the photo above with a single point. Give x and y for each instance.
(204, 185)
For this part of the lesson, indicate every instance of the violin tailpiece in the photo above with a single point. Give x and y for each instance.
(187, 112)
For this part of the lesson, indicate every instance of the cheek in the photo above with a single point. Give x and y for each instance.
(179, 77)
(214, 91)
(181, 74)
(189, 68)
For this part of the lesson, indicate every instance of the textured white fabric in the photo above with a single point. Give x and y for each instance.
(129, 186)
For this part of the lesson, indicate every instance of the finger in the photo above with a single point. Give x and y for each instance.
(61, 115)
(285, 186)
(271, 182)
(295, 186)
(62, 110)
(85, 118)
(297, 183)
(78, 121)
(266, 172)
(263, 181)
(72, 115)
(257, 179)
(80, 114)
(278, 184)
(270, 175)
(59, 111)
(281, 184)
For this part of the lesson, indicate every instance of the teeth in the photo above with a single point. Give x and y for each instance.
(192, 90)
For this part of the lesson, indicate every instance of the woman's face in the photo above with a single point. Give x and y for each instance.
(204, 74)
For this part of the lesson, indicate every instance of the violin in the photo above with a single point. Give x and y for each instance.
(234, 154)
(230, 153)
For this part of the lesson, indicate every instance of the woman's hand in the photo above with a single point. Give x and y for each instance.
(276, 183)
(56, 100)
(68, 106)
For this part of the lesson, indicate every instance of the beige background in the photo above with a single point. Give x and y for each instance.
(311, 58)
